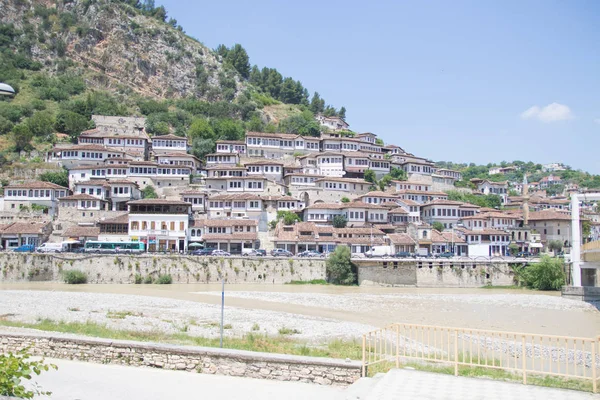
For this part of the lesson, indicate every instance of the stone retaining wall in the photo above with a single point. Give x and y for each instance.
(322, 371)
(20, 267)
(435, 273)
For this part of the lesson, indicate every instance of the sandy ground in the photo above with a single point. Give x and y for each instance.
(318, 312)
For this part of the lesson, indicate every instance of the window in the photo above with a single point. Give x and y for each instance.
(181, 225)
(172, 225)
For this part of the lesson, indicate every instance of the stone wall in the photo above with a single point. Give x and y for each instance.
(434, 273)
(248, 364)
(20, 267)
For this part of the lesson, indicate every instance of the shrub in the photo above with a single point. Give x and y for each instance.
(164, 280)
(138, 279)
(438, 226)
(15, 368)
(339, 267)
(74, 277)
(547, 274)
(148, 279)
(288, 331)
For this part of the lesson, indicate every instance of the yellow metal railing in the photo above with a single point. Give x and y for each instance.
(522, 354)
(591, 246)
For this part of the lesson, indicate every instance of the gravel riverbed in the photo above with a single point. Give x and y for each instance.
(146, 313)
(375, 302)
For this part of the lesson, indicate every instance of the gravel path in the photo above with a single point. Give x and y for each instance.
(145, 313)
(375, 302)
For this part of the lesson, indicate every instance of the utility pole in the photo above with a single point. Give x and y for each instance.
(222, 308)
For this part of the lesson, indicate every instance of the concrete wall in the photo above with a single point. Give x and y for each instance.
(15, 267)
(249, 364)
(435, 273)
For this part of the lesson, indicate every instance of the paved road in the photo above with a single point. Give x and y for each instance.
(402, 384)
(88, 381)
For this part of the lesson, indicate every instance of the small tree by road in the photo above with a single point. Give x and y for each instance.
(547, 274)
(555, 246)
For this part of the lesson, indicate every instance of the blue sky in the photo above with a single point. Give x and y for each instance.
(466, 81)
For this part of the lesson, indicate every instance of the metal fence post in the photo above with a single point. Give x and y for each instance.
(594, 344)
(364, 355)
(397, 346)
(523, 360)
(455, 352)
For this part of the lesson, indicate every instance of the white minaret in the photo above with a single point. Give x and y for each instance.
(525, 194)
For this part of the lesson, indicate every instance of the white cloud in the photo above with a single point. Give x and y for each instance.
(550, 113)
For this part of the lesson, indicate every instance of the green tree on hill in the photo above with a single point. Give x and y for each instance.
(149, 192)
(58, 178)
(438, 226)
(339, 221)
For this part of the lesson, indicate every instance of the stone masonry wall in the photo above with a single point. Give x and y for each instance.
(435, 273)
(249, 364)
(19, 267)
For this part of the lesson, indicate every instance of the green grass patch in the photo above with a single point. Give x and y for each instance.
(283, 344)
(504, 287)
(122, 314)
(487, 373)
(288, 331)
(312, 282)
(251, 341)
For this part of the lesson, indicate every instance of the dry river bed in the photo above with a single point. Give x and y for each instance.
(318, 313)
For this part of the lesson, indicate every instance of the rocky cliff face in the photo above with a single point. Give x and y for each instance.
(120, 49)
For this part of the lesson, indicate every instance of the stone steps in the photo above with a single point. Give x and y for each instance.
(360, 389)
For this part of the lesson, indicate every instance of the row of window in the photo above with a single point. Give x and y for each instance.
(265, 168)
(159, 171)
(300, 179)
(105, 172)
(236, 204)
(46, 193)
(153, 225)
(169, 143)
(131, 142)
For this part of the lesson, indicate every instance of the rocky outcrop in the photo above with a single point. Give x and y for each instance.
(119, 48)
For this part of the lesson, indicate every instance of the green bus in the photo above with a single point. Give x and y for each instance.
(94, 246)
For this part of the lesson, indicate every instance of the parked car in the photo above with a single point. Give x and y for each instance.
(524, 254)
(254, 252)
(446, 254)
(220, 253)
(203, 252)
(281, 252)
(379, 251)
(423, 255)
(310, 253)
(404, 254)
(53, 247)
(25, 248)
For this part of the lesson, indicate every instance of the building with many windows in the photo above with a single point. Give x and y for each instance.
(161, 224)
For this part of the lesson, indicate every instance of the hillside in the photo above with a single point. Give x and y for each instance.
(535, 172)
(114, 46)
(68, 60)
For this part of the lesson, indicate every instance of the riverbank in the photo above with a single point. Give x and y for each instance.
(318, 312)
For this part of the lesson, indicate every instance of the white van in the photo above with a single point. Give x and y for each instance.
(53, 247)
(380, 251)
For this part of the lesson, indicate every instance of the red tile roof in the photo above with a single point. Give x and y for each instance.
(35, 185)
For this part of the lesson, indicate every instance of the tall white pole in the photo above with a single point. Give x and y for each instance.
(575, 240)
